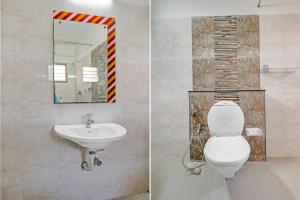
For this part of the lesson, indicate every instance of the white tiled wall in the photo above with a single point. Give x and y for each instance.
(37, 164)
(171, 75)
(280, 47)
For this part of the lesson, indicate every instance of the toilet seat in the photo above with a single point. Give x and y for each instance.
(228, 150)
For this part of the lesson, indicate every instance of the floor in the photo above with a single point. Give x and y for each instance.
(144, 196)
(276, 179)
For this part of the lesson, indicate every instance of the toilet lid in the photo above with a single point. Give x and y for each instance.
(227, 150)
(225, 118)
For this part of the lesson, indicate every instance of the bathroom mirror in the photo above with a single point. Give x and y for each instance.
(84, 58)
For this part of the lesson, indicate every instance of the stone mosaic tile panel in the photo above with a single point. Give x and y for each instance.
(249, 73)
(248, 51)
(203, 37)
(203, 52)
(200, 103)
(203, 75)
(99, 60)
(226, 74)
(228, 47)
(226, 56)
(253, 105)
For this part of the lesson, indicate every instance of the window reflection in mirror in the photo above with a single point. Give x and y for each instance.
(60, 72)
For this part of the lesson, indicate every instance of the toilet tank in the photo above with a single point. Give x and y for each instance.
(225, 118)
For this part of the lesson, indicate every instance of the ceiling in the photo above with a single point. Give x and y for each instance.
(187, 8)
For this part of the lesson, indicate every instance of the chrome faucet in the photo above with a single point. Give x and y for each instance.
(88, 120)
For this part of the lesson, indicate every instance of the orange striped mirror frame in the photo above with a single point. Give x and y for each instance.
(110, 22)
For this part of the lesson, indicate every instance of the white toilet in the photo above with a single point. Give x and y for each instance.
(227, 150)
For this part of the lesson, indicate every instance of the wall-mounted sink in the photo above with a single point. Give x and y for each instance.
(94, 138)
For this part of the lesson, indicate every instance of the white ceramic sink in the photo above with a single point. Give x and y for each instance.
(94, 138)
